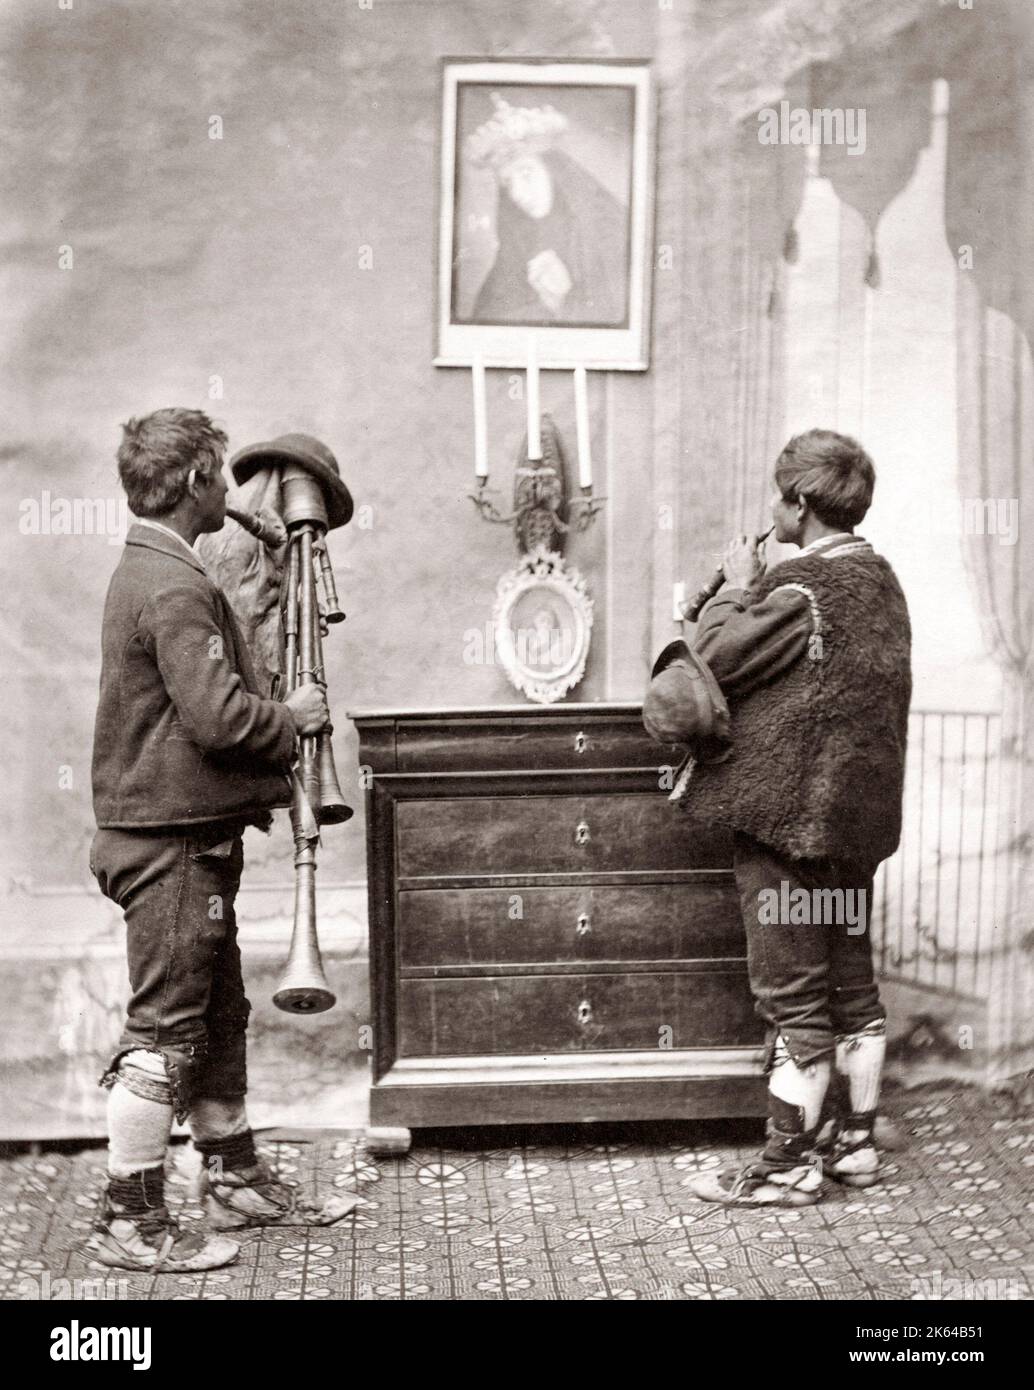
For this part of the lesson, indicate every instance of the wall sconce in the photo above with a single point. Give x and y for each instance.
(542, 616)
(542, 512)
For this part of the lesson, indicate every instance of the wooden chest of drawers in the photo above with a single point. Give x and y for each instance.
(550, 940)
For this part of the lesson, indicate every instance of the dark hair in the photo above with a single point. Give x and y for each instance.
(159, 450)
(833, 474)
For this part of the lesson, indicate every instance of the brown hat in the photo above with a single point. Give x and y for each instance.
(308, 453)
(684, 703)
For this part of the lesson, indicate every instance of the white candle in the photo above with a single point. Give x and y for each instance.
(477, 373)
(581, 418)
(534, 411)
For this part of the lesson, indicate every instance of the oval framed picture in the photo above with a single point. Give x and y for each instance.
(543, 626)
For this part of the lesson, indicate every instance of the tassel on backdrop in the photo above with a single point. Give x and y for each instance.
(772, 275)
(872, 265)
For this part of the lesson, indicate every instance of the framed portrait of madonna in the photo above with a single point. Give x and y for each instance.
(545, 214)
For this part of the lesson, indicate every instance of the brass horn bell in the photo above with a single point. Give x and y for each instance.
(333, 809)
(304, 988)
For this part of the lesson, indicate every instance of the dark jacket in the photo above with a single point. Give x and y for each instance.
(182, 734)
(817, 764)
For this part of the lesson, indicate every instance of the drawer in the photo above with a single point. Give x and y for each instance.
(471, 926)
(453, 837)
(530, 1014)
(548, 742)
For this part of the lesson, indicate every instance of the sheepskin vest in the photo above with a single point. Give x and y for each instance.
(817, 766)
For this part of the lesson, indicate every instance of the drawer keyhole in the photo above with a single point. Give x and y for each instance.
(584, 1012)
(583, 926)
(580, 743)
(581, 833)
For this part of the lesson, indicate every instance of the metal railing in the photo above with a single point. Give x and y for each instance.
(935, 899)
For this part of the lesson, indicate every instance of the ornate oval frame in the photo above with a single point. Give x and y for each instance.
(543, 572)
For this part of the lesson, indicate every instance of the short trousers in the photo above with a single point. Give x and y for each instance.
(177, 891)
(814, 982)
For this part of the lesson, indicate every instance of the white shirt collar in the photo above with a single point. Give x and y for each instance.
(158, 526)
(824, 542)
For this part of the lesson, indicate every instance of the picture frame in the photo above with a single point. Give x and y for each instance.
(545, 214)
(542, 619)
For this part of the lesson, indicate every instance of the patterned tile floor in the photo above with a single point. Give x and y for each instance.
(582, 1213)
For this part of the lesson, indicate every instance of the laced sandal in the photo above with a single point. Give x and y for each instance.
(155, 1243)
(762, 1184)
(254, 1196)
(853, 1159)
(787, 1174)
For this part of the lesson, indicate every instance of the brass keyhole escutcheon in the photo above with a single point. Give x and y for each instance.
(583, 926)
(580, 743)
(581, 833)
(584, 1012)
